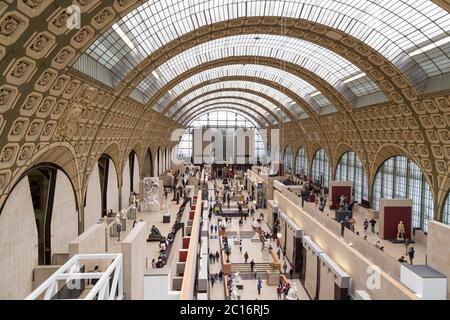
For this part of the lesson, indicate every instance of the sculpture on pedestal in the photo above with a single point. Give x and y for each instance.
(401, 231)
(342, 202)
(266, 250)
(292, 293)
(151, 192)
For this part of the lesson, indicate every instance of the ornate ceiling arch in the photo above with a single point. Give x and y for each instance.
(333, 96)
(241, 112)
(160, 24)
(259, 117)
(383, 72)
(236, 98)
(323, 63)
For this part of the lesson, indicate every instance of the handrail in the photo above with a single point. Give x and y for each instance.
(187, 286)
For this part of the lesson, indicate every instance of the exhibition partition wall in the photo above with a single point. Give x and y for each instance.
(313, 251)
(334, 282)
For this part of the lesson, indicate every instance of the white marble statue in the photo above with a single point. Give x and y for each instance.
(292, 294)
(266, 251)
(236, 279)
(342, 202)
(151, 192)
(234, 293)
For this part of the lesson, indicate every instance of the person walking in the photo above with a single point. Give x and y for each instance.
(221, 276)
(259, 286)
(411, 253)
(285, 266)
(291, 272)
(212, 228)
(279, 291)
(252, 265)
(216, 228)
(217, 255)
(373, 222)
(212, 280)
(366, 225)
(246, 256)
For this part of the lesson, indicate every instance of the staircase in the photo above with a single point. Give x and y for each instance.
(244, 268)
(247, 234)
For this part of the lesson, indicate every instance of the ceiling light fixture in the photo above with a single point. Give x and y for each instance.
(123, 36)
(430, 46)
(354, 78)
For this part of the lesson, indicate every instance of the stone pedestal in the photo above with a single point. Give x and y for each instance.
(272, 278)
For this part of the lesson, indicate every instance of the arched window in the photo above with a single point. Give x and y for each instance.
(350, 168)
(288, 159)
(446, 211)
(321, 168)
(400, 177)
(301, 162)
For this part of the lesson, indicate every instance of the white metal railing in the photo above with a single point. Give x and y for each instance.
(70, 273)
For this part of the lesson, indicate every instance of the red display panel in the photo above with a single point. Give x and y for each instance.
(182, 254)
(392, 217)
(337, 192)
(186, 241)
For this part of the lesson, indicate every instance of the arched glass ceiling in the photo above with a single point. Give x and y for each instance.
(396, 29)
(181, 116)
(287, 80)
(231, 85)
(325, 63)
(223, 117)
(250, 113)
(224, 96)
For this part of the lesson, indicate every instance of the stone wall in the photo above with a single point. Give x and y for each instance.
(438, 253)
(18, 243)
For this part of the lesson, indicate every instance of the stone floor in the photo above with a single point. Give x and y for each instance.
(250, 291)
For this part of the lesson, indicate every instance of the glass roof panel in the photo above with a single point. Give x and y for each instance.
(257, 87)
(239, 110)
(287, 80)
(236, 102)
(394, 28)
(323, 62)
(223, 116)
(226, 96)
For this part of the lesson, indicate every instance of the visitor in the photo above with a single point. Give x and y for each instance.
(291, 272)
(252, 265)
(96, 269)
(217, 255)
(285, 266)
(402, 259)
(153, 264)
(366, 225)
(279, 253)
(245, 256)
(211, 258)
(259, 286)
(221, 276)
(279, 288)
(411, 253)
(216, 228)
(134, 223)
(212, 280)
(373, 222)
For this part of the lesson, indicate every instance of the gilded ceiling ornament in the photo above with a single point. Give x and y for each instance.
(30, 103)
(6, 155)
(61, 20)
(69, 122)
(9, 26)
(39, 44)
(20, 69)
(4, 96)
(33, 4)
(17, 128)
